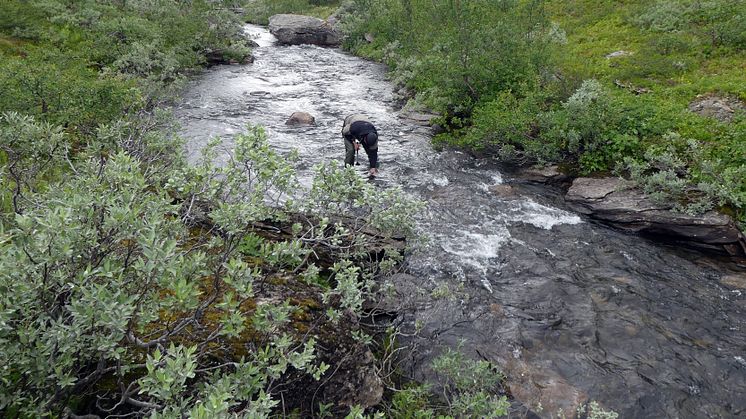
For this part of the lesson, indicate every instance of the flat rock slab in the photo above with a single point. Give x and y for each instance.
(298, 29)
(419, 118)
(609, 200)
(546, 175)
(735, 280)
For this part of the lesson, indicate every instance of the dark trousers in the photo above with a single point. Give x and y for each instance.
(372, 153)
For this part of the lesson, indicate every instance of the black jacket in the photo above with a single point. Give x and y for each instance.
(366, 134)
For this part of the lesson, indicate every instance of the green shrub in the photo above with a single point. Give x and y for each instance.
(455, 66)
(717, 22)
(62, 90)
(507, 124)
(470, 387)
(684, 175)
(90, 62)
(103, 280)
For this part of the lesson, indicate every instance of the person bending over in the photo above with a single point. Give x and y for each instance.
(357, 131)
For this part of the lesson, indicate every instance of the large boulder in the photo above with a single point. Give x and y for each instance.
(301, 119)
(607, 199)
(298, 29)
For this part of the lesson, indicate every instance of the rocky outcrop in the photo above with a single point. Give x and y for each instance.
(547, 175)
(713, 106)
(301, 119)
(423, 118)
(606, 199)
(297, 29)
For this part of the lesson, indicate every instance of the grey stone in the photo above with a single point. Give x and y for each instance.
(301, 118)
(620, 53)
(720, 108)
(298, 29)
(423, 118)
(549, 175)
(735, 280)
(608, 199)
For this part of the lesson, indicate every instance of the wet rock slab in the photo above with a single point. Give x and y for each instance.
(734, 280)
(292, 29)
(546, 175)
(607, 199)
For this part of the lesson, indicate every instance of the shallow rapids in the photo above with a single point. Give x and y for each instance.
(571, 310)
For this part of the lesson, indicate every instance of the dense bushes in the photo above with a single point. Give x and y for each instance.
(717, 23)
(455, 54)
(508, 79)
(83, 63)
(130, 282)
(102, 279)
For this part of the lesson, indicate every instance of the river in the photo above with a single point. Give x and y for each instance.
(569, 309)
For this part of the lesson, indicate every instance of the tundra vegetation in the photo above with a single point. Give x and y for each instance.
(135, 284)
(598, 87)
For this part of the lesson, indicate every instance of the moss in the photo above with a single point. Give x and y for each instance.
(277, 280)
(308, 303)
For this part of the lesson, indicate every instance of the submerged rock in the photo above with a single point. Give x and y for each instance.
(630, 209)
(735, 280)
(298, 29)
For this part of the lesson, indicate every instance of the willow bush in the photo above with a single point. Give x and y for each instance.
(112, 303)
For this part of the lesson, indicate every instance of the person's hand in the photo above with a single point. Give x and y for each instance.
(373, 171)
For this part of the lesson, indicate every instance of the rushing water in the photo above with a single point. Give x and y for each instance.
(571, 310)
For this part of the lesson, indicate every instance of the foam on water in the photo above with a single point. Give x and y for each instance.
(440, 180)
(541, 216)
(259, 35)
(475, 247)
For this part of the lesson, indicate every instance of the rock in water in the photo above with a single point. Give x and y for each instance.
(298, 29)
(301, 118)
